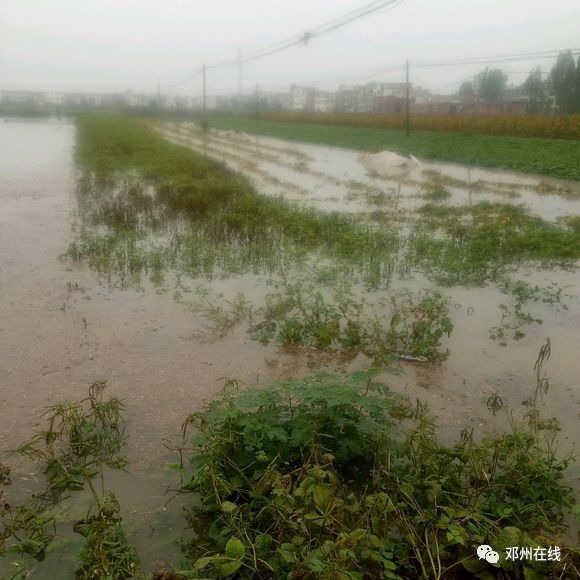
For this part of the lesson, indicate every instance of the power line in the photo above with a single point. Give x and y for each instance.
(316, 83)
(188, 79)
(302, 38)
(425, 64)
(464, 62)
(494, 59)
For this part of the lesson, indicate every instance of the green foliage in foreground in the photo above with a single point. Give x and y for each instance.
(331, 478)
(560, 158)
(79, 441)
(314, 478)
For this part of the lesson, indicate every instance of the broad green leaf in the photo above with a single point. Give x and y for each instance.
(229, 568)
(263, 542)
(201, 563)
(235, 549)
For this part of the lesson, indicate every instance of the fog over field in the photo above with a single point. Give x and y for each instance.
(114, 46)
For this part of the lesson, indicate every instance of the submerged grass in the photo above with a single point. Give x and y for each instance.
(556, 157)
(199, 200)
(472, 244)
(148, 205)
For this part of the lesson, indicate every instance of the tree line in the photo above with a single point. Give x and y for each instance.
(562, 85)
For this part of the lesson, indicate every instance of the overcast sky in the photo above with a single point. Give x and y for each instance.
(115, 45)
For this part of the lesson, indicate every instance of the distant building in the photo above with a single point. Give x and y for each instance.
(369, 98)
(389, 105)
(324, 101)
(22, 97)
(54, 98)
(347, 99)
(299, 99)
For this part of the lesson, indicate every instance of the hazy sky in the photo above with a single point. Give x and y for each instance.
(114, 45)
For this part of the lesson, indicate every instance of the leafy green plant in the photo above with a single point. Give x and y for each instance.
(80, 440)
(398, 325)
(272, 466)
(339, 478)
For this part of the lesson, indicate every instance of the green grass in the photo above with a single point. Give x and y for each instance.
(555, 157)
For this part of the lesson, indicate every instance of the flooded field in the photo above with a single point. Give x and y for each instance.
(166, 311)
(338, 179)
(346, 181)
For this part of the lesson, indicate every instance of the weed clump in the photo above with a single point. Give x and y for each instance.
(398, 325)
(80, 440)
(473, 244)
(326, 477)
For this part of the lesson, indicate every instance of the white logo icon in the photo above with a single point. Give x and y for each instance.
(485, 552)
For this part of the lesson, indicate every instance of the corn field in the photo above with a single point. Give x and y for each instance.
(543, 126)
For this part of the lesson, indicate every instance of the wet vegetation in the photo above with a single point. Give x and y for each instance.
(314, 478)
(556, 157)
(189, 212)
(149, 209)
(81, 439)
(339, 478)
(472, 244)
(147, 205)
(517, 315)
(398, 325)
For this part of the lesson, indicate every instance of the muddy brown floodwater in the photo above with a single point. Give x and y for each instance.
(60, 330)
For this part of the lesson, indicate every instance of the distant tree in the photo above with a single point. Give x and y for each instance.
(466, 89)
(492, 85)
(535, 89)
(563, 80)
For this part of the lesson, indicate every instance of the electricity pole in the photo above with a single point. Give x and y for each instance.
(407, 108)
(240, 74)
(204, 101)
